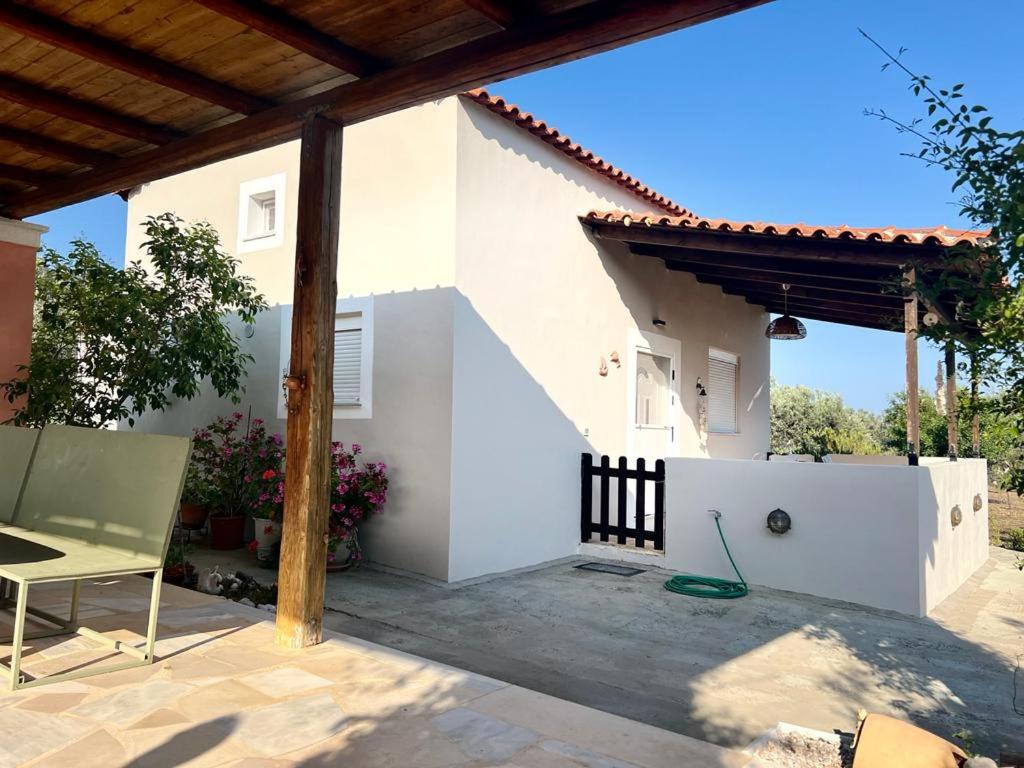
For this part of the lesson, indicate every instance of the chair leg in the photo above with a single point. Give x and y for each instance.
(19, 636)
(154, 612)
(76, 593)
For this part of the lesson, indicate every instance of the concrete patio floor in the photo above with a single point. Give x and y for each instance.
(221, 693)
(721, 671)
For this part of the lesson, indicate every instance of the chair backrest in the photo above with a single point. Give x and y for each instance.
(112, 489)
(16, 447)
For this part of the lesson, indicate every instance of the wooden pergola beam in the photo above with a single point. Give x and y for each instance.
(798, 304)
(952, 426)
(815, 296)
(62, 150)
(913, 379)
(874, 322)
(303, 568)
(536, 43)
(25, 175)
(862, 252)
(80, 111)
(275, 23)
(859, 272)
(504, 14)
(706, 273)
(60, 34)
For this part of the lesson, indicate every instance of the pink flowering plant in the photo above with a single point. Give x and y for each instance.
(357, 493)
(240, 471)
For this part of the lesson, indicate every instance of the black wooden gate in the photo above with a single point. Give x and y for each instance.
(621, 528)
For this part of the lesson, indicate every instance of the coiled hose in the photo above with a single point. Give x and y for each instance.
(709, 586)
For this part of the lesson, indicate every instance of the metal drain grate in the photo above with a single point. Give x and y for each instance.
(617, 570)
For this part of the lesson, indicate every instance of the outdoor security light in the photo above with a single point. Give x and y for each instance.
(779, 521)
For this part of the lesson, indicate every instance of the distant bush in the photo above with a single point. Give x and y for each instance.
(1015, 539)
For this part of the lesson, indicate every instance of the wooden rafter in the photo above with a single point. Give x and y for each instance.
(807, 295)
(821, 282)
(89, 45)
(36, 142)
(501, 12)
(61, 105)
(535, 43)
(275, 23)
(25, 175)
(856, 252)
(877, 321)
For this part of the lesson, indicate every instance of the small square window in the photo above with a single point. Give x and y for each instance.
(262, 218)
(261, 212)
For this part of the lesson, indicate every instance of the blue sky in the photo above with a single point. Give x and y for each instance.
(759, 116)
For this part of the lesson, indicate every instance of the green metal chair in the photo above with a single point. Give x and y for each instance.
(94, 504)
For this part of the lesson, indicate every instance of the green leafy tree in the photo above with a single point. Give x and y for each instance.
(981, 284)
(1000, 440)
(109, 344)
(815, 422)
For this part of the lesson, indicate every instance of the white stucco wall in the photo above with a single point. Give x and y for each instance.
(397, 245)
(875, 535)
(492, 310)
(949, 556)
(540, 304)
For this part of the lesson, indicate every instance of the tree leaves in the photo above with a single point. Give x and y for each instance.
(109, 344)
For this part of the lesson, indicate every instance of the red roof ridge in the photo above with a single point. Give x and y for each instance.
(567, 146)
(942, 235)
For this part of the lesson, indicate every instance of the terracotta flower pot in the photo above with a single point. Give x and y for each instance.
(227, 532)
(193, 516)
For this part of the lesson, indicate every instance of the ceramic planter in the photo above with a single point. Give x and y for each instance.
(267, 533)
(227, 532)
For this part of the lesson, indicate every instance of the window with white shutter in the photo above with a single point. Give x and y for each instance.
(352, 370)
(348, 360)
(723, 383)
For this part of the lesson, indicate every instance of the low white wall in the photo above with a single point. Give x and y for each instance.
(875, 535)
(949, 556)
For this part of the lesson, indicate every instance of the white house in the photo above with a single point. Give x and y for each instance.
(496, 339)
(500, 317)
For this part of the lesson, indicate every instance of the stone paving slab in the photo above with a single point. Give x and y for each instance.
(222, 694)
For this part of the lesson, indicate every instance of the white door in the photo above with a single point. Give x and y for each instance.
(654, 402)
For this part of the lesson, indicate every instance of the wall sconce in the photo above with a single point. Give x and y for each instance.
(614, 357)
(603, 368)
(779, 521)
(702, 407)
(658, 322)
(978, 502)
(956, 516)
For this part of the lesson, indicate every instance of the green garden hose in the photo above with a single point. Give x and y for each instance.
(709, 586)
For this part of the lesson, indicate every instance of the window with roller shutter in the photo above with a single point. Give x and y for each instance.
(723, 385)
(348, 360)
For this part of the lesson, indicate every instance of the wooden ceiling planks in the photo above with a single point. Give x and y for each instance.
(184, 73)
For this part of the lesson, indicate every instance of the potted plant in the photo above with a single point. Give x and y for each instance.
(357, 493)
(266, 494)
(193, 510)
(233, 464)
(177, 568)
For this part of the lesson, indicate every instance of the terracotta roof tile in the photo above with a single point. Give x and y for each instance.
(943, 236)
(567, 146)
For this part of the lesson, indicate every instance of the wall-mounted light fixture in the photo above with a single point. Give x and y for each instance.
(956, 516)
(658, 322)
(978, 502)
(779, 521)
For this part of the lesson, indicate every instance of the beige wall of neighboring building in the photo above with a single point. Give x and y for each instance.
(492, 310)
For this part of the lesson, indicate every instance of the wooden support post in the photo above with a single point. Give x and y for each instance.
(913, 407)
(952, 432)
(300, 602)
(975, 416)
